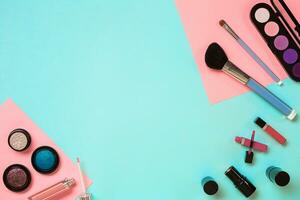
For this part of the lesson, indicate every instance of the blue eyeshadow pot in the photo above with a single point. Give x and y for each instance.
(45, 160)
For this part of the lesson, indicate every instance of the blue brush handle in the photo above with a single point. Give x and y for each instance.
(258, 60)
(271, 98)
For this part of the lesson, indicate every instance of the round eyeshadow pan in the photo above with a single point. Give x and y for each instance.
(45, 160)
(290, 56)
(16, 178)
(281, 42)
(271, 29)
(262, 15)
(296, 70)
(19, 140)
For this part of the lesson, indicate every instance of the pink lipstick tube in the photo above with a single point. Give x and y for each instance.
(270, 130)
(54, 190)
(247, 143)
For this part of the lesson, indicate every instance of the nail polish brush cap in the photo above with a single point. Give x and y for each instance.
(249, 157)
(282, 179)
(260, 122)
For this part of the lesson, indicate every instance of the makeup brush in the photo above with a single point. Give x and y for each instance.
(85, 195)
(250, 51)
(249, 154)
(216, 59)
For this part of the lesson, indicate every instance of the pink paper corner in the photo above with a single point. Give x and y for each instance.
(11, 117)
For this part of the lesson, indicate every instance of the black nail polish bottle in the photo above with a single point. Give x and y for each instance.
(210, 186)
(278, 176)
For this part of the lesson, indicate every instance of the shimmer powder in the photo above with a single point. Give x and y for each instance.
(281, 42)
(45, 160)
(290, 56)
(296, 70)
(262, 15)
(16, 178)
(19, 140)
(271, 29)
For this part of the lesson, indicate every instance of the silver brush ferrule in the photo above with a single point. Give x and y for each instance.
(69, 182)
(231, 31)
(232, 70)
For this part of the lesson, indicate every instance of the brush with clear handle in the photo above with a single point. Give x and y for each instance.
(250, 52)
(85, 195)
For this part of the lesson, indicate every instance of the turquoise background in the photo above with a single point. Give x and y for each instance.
(115, 83)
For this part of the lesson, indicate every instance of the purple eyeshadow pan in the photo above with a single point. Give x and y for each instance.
(296, 70)
(290, 56)
(281, 42)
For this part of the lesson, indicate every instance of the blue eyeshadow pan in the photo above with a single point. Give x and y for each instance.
(45, 160)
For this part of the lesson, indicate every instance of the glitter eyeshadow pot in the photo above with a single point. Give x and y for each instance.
(19, 140)
(16, 178)
(45, 160)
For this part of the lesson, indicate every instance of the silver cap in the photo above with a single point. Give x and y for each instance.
(232, 70)
(86, 196)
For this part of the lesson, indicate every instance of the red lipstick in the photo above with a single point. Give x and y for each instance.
(270, 130)
(256, 145)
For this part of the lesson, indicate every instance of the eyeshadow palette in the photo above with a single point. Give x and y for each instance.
(278, 38)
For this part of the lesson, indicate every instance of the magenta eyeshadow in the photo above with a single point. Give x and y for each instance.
(281, 42)
(296, 69)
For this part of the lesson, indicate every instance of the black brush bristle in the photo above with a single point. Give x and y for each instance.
(215, 56)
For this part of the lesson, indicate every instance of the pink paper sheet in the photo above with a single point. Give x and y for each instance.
(12, 117)
(201, 22)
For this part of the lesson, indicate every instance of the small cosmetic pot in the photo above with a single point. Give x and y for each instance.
(45, 160)
(278, 176)
(19, 140)
(16, 178)
(210, 187)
